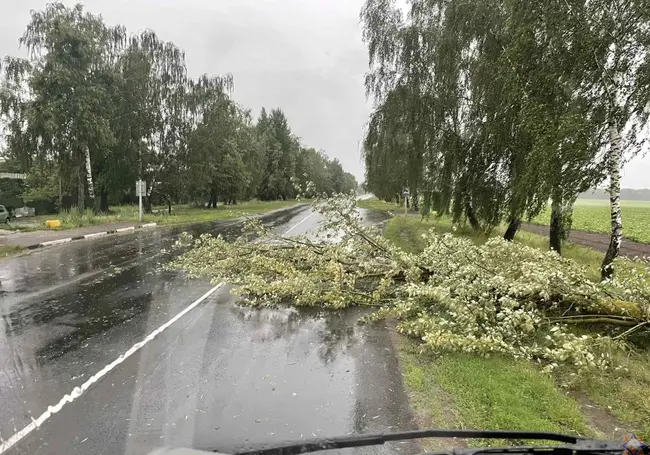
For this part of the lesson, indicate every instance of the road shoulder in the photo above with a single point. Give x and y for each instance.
(39, 239)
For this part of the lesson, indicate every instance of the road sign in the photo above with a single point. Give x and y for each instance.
(405, 193)
(140, 192)
(141, 188)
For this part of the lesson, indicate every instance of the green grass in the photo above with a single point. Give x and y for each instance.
(593, 215)
(407, 232)
(495, 393)
(181, 214)
(10, 250)
(467, 391)
(625, 394)
(380, 206)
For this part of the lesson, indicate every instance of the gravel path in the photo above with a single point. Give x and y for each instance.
(595, 240)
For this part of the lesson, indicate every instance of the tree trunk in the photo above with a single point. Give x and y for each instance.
(557, 227)
(103, 201)
(80, 188)
(471, 217)
(213, 199)
(89, 175)
(169, 206)
(91, 186)
(60, 190)
(513, 227)
(614, 169)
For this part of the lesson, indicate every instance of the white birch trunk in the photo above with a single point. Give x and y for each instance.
(614, 169)
(89, 175)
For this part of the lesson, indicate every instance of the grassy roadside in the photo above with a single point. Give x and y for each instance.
(10, 250)
(181, 214)
(467, 391)
(410, 230)
(378, 205)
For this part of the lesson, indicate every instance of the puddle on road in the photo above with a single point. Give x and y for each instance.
(272, 375)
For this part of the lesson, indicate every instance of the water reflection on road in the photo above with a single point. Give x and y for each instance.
(223, 376)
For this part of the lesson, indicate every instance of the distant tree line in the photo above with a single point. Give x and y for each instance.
(93, 109)
(488, 109)
(627, 194)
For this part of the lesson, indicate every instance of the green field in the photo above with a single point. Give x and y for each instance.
(593, 215)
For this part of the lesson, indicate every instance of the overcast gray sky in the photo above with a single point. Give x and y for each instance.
(305, 56)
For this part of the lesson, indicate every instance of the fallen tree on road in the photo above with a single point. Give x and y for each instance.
(500, 297)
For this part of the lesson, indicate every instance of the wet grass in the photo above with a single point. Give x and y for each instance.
(497, 393)
(467, 391)
(10, 250)
(407, 233)
(624, 394)
(381, 206)
(181, 214)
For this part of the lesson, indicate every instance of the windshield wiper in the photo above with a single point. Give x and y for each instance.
(576, 445)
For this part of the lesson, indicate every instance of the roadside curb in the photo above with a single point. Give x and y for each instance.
(90, 236)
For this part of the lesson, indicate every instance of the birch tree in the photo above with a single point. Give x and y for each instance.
(96, 109)
(513, 103)
(71, 53)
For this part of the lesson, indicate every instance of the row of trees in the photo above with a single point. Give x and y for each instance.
(93, 109)
(488, 109)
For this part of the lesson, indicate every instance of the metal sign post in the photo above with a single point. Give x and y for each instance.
(140, 190)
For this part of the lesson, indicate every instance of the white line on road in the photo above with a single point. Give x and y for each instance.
(295, 226)
(76, 393)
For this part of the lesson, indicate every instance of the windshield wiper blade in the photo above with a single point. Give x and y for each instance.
(379, 439)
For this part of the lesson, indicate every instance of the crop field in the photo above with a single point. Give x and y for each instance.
(593, 215)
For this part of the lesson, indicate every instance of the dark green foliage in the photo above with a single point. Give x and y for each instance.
(93, 109)
(490, 108)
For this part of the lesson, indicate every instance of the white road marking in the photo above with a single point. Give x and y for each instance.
(76, 393)
(295, 226)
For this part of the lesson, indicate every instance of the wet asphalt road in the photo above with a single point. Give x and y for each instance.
(221, 377)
